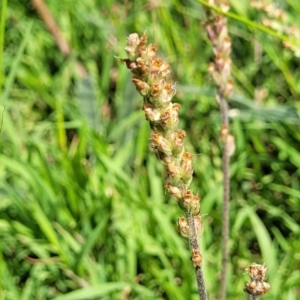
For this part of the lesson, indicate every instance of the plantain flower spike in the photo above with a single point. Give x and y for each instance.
(151, 77)
(257, 285)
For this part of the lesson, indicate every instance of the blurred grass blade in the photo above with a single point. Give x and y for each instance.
(102, 290)
(91, 240)
(264, 241)
(87, 101)
(2, 38)
(48, 230)
(14, 68)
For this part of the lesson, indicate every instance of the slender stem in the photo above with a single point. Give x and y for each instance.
(226, 196)
(51, 24)
(2, 33)
(253, 297)
(224, 110)
(217, 31)
(194, 245)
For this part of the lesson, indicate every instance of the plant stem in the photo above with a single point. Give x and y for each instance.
(52, 26)
(226, 196)
(2, 33)
(217, 31)
(194, 245)
(253, 297)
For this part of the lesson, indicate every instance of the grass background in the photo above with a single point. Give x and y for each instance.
(83, 210)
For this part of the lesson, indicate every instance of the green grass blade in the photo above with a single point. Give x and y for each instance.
(14, 68)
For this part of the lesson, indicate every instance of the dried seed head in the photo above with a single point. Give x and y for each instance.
(257, 271)
(166, 159)
(159, 66)
(187, 168)
(228, 88)
(250, 287)
(174, 191)
(142, 46)
(196, 258)
(142, 69)
(224, 133)
(151, 78)
(161, 143)
(190, 202)
(210, 31)
(156, 91)
(265, 288)
(168, 93)
(132, 45)
(151, 50)
(219, 26)
(195, 205)
(214, 73)
(130, 64)
(185, 202)
(183, 227)
(198, 225)
(152, 114)
(176, 106)
(142, 87)
(177, 141)
(173, 170)
(257, 286)
(169, 118)
(230, 144)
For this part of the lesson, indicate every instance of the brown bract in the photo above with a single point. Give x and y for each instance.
(257, 285)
